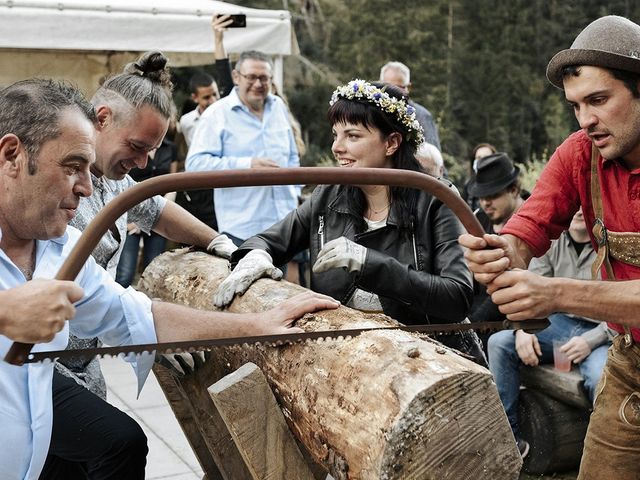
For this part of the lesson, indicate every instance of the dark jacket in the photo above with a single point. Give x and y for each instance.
(419, 276)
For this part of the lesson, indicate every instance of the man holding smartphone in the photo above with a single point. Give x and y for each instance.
(205, 92)
(248, 129)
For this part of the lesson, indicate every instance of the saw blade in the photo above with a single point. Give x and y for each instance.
(276, 340)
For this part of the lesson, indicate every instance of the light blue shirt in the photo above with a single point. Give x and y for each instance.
(227, 137)
(108, 311)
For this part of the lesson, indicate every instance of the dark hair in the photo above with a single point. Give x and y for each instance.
(367, 114)
(31, 109)
(630, 79)
(515, 185)
(144, 82)
(482, 145)
(200, 80)
(253, 55)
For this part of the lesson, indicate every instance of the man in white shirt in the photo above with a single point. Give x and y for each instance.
(204, 91)
(47, 145)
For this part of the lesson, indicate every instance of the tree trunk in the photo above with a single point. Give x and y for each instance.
(383, 405)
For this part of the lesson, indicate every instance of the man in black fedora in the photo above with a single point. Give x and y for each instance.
(598, 169)
(498, 189)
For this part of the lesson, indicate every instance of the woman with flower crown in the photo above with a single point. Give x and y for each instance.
(373, 247)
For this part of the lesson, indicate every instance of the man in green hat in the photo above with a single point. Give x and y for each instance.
(598, 169)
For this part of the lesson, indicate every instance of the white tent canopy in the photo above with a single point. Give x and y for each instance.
(82, 40)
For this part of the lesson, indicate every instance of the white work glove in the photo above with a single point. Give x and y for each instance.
(222, 246)
(183, 363)
(340, 253)
(256, 264)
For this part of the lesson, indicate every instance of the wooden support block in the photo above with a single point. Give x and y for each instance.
(202, 425)
(252, 415)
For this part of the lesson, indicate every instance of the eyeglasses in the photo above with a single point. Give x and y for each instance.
(264, 79)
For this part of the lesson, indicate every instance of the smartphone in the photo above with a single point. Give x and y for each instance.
(239, 20)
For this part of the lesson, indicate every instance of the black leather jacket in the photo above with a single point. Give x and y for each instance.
(419, 276)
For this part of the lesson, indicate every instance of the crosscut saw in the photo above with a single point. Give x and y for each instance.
(279, 340)
(19, 353)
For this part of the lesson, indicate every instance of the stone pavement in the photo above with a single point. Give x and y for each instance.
(170, 456)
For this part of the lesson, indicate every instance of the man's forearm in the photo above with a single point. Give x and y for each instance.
(179, 323)
(178, 225)
(617, 302)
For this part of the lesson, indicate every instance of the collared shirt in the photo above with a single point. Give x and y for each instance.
(106, 254)
(188, 124)
(107, 310)
(228, 137)
(564, 186)
(145, 215)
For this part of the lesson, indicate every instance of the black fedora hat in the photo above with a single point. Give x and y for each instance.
(609, 42)
(495, 173)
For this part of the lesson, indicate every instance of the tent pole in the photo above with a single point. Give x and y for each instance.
(278, 72)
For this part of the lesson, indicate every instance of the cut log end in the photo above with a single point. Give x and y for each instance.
(451, 430)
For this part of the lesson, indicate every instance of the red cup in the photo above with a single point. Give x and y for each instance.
(560, 360)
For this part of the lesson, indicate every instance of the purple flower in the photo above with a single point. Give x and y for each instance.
(377, 95)
(356, 87)
(410, 110)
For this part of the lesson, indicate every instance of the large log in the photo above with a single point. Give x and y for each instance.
(554, 415)
(383, 405)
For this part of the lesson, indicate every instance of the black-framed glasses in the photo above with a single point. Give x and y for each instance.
(264, 79)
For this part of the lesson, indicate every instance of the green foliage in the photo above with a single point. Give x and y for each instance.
(457, 171)
(530, 172)
(477, 65)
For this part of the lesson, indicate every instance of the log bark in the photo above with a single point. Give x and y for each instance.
(383, 405)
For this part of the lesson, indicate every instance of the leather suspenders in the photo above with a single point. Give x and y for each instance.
(624, 246)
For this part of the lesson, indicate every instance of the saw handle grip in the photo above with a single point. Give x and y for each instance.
(18, 353)
(529, 326)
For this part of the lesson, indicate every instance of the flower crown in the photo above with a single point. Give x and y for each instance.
(362, 90)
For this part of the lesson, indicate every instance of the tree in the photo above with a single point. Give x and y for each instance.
(478, 65)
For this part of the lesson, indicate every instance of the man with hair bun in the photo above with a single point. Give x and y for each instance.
(133, 110)
(596, 169)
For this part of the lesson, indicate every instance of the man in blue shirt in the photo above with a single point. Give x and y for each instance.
(247, 129)
(47, 145)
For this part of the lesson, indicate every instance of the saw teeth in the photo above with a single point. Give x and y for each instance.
(275, 341)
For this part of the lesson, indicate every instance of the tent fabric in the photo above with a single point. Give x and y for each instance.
(84, 40)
